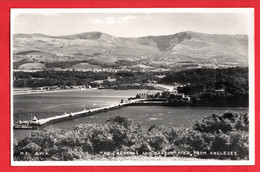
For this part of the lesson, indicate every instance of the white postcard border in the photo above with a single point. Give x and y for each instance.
(202, 162)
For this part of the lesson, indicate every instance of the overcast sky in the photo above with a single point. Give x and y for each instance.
(130, 24)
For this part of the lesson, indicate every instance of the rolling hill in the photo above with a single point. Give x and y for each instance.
(104, 50)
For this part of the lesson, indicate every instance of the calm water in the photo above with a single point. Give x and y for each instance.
(51, 104)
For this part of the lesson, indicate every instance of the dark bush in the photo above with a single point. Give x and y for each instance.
(67, 154)
(102, 139)
(142, 147)
(193, 140)
(224, 123)
(31, 148)
(120, 121)
(239, 143)
(156, 138)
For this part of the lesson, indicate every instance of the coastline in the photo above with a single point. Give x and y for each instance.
(53, 91)
(30, 91)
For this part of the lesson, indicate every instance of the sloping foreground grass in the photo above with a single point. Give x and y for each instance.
(214, 137)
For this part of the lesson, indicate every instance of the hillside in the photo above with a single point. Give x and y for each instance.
(105, 50)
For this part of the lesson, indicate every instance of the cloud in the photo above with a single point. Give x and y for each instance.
(114, 20)
(126, 18)
(98, 21)
(33, 15)
(148, 17)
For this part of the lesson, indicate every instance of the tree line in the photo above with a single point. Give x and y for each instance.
(212, 87)
(70, 78)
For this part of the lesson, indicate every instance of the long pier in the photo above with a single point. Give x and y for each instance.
(39, 123)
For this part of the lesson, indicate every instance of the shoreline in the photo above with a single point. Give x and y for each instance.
(54, 91)
(68, 90)
(30, 91)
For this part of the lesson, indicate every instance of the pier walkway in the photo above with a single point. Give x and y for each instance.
(36, 123)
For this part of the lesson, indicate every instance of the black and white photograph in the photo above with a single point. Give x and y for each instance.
(132, 86)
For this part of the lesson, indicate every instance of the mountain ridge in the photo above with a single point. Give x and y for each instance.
(165, 50)
(188, 32)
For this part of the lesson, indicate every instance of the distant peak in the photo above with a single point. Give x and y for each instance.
(85, 35)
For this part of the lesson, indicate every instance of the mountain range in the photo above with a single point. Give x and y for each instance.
(97, 49)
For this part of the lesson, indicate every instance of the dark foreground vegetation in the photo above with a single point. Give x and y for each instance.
(214, 137)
